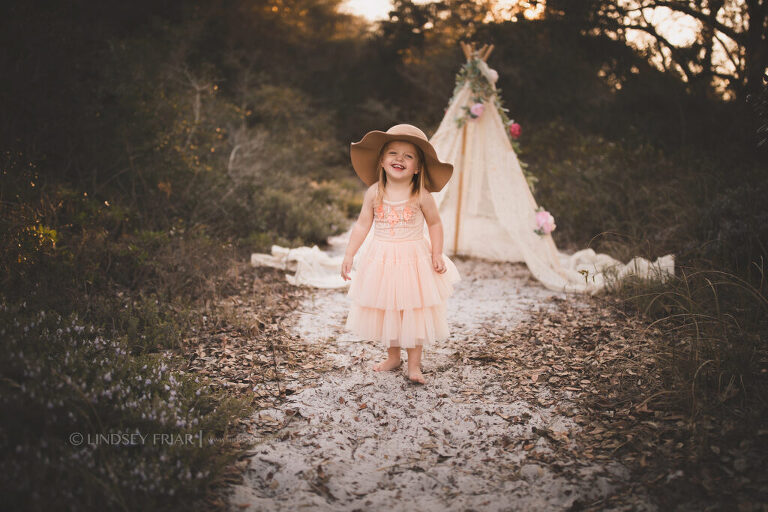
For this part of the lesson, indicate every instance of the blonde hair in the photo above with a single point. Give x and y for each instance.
(418, 182)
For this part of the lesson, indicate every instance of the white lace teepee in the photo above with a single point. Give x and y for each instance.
(487, 209)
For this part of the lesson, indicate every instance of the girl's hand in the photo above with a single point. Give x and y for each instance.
(438, 264)
(346, 268)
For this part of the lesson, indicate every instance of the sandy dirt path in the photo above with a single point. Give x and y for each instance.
(361, 440)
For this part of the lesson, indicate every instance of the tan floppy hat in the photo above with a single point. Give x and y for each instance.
(365, 154)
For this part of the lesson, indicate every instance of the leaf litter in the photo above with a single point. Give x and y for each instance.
(578, 383)
(515, 414)
(538, 401)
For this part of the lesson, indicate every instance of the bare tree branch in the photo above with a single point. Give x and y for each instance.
(683, 7)
(736, 63)
(197, 104)
(676, 54)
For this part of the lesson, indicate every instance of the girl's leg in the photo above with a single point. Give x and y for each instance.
(414, 364)
(392, 362)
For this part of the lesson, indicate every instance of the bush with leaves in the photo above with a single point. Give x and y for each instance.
(96, 427)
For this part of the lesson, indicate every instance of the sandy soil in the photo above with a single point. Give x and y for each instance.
(361, 440)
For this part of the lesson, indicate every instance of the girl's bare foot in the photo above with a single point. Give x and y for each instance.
(414, 365)
(392, 362)
(389, 364)
(415, 375)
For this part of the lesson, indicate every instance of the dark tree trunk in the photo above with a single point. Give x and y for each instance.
(756, 46)
(708, 41)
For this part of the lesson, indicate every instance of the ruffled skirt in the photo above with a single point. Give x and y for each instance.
(397, 297)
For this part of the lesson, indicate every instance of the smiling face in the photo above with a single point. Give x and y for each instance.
(400, 161)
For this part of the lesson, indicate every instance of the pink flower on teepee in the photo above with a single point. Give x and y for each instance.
(476, 110)
(545, 222)
(515, 130)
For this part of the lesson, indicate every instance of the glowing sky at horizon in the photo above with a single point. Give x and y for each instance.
(371, 10)
(374, 10)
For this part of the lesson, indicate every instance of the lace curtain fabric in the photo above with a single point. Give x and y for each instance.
(497, 216)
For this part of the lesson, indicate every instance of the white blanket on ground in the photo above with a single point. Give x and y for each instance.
(311, 266)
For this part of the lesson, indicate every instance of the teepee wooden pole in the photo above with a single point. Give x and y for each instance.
(487, 53)
(466, 50)
(461, 185)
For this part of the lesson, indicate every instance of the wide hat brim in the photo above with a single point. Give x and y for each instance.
(365, 154)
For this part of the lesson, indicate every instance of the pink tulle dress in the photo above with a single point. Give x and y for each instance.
(397, 297)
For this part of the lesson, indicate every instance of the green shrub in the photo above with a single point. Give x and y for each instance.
(64, 384)
(595, 187)
(734, 229)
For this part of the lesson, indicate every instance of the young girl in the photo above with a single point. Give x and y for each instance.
(402, 281)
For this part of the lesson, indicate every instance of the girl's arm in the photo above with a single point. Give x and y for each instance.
(359, 231)
(435, 226)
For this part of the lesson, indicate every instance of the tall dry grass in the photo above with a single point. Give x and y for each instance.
(714, 357)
